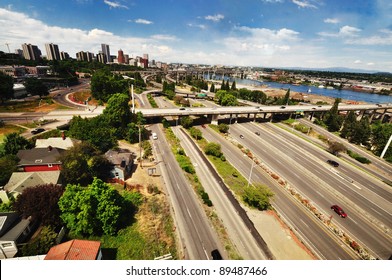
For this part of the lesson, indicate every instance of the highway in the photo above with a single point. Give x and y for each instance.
(369, 217)
(314, 235)
(226, 206)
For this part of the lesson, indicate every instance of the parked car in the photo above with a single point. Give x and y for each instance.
(37, 130)
(282, 107)
(339, 211)
(257, 133)
(333, 163)
(182, 108)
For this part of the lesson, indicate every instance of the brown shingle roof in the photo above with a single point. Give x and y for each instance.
(75, 250)
(39, 156)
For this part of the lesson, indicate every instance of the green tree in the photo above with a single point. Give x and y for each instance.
(229, 100)
(213, 149)
(349, 125)
(42, 243)
(14, 142)
(381, 134)
(196, 133)
(332, 119)
(362, 132)
(34, 86)
(336, 147)
(82, 162)
(186, 121)
(104, 84)
(223, 128)
(286, 98)
(212, 88)
(117, 113)
(233, 86)
(6, 87)
(96, 131)
(8, 165)
(94, 210)
(258, 196)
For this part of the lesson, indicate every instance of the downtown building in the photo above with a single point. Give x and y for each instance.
(52, 52)
(106, 52)
(31, 52)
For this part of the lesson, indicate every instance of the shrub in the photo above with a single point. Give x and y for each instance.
(213, 149)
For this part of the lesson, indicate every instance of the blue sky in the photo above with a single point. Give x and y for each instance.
(267, 33)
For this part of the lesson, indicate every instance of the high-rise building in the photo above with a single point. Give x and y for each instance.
(52, 51)
(145, 60)
(120, 57)
(84, 56)
(31, 52)
(106, 51)
(64, 56)
(101, 57)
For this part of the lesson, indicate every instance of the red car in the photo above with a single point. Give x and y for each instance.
(339, 211)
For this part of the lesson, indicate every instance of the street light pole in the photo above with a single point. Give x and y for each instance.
(251, 169)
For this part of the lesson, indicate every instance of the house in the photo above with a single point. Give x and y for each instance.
(63, 142)
(122, 163)
(13, 231)
(20, 181)
(76, 250)
(40, 159)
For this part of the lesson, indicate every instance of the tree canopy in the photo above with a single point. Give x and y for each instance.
(83, 162)
(104, 84)
(41, 203)
(35, 86)
(14, 142)
(93, 210)
(6, 87)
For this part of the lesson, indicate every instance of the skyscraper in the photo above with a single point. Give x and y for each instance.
(120, 57)
(31, 52)
(106, 52)
(52, 52)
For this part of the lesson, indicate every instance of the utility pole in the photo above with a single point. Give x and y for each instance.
(140, 147)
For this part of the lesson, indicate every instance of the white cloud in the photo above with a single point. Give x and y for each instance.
(331, 20)
(115, 4)
(215, 18)
(162, 37)
(304, 4)
(73, 40)
(349, 31)
(357, 61)
(201, 26)
(143, 21)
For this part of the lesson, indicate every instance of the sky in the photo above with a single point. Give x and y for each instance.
(261, 33)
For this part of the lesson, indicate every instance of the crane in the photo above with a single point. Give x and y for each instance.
(8, 46)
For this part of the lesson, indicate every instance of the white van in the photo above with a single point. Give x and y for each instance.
(154, 136)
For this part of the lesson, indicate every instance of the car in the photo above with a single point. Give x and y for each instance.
(37, 130)
(182, 108)
(257, 133)
(314, 108)
(215, 254)
(333, 163)
(339, 211)
(282, 107)
(319, 106)
(203, 125)
(241, 136)
(260, 109)
(257, 107)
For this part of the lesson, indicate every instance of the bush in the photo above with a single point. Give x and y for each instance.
(258, 197)
(358, 157)
(213, 149)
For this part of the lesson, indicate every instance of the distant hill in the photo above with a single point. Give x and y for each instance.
(342, 70)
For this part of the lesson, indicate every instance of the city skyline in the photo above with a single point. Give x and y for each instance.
(264, 33)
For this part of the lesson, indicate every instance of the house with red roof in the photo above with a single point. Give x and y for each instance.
(76, 250)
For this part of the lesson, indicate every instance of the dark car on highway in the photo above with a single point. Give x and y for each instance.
(37, 130)
(241, 136)
(339, 211)
(333, 163)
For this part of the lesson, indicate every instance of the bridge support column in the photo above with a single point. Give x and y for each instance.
(372, 116)
(311, 115)
(361, 114)
(254, 117)
(383, 115)
(214, 119)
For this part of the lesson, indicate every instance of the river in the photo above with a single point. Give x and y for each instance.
(335, 93)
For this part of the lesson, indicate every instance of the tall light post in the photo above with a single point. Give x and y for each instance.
(251, 169)
(386, 147)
